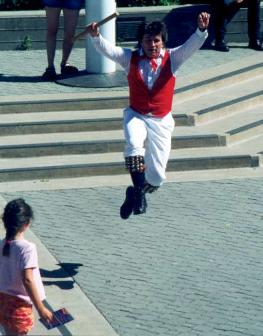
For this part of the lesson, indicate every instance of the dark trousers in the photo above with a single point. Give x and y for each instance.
(224, 14)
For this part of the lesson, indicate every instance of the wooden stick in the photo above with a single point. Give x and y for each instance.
(108, 18)
(100, 23)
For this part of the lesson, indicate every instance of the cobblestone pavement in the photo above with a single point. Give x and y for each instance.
(191, 267)
(20, 71)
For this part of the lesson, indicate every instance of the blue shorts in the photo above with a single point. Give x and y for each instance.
(68, 4)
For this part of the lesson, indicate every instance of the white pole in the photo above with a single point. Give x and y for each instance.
(97, 10)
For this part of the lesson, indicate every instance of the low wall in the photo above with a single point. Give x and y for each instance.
(30, 26)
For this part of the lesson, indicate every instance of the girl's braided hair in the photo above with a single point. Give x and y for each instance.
(16, 214)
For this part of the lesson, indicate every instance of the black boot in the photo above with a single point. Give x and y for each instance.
(127, 206)
(136, 167)
(140, 204)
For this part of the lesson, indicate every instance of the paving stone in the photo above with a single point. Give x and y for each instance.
(191, 266)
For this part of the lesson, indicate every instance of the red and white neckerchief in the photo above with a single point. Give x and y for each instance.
(152, 61)
(153, 64)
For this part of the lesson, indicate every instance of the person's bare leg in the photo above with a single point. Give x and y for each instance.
(51, 37)
(70, 23)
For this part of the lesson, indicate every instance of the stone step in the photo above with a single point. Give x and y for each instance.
(212, 162)
(69, 166)
(60, 121)
(222, 103)
(239, 127)
(96, 120)
(124, 179)
(47, 113)
(243, 126)
(249, 154)
(252, 146)
(192, 86)
(189, 87)
(242, 133)
(64, 166)
(99, 120)
(64, 102)
(232, 129)
(68, 146)
(50, 125)
(77, 166)
(87, 143)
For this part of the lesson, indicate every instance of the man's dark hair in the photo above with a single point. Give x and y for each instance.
(154, 28)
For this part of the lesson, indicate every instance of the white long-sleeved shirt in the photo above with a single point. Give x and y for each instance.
(178, 55)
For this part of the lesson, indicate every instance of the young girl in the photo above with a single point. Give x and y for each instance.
(20, 281)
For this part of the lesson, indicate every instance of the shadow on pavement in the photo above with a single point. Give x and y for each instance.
(66, 270)
(65, 285)
(20, 79)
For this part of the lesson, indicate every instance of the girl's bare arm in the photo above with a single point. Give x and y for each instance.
(29, 283)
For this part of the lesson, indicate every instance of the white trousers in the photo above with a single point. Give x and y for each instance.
(149, 137)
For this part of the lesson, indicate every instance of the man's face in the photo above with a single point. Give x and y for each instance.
(152, 45)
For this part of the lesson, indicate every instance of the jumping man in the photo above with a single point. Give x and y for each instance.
(148, 122)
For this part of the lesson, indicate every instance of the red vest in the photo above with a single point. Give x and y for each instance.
(158, 100)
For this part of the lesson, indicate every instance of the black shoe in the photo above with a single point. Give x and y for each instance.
(140, 204)
(127, 207)
(221, 46)
(256, 45)
(49, 74)
(68, 70)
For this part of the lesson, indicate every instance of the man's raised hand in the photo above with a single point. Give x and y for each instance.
(203, 20)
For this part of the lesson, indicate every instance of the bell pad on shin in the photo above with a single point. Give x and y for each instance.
(135, 164)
